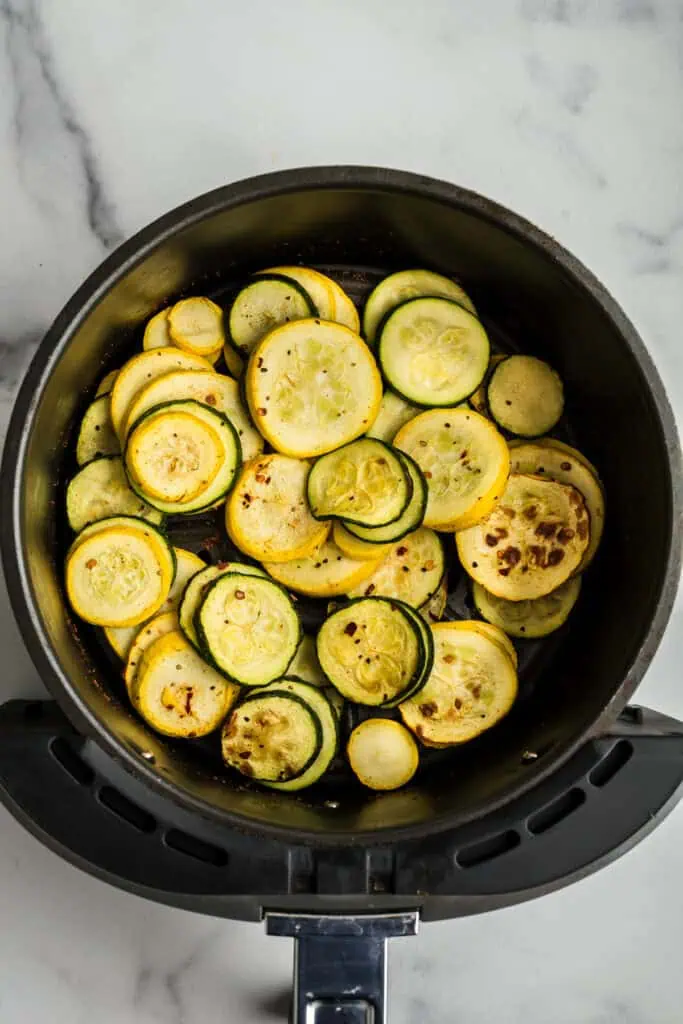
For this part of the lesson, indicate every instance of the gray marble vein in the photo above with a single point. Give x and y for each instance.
(36, 85)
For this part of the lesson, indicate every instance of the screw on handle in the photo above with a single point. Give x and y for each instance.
(340, 971)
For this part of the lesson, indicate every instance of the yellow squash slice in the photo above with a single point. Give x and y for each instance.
(157, 334)
(406, 285)
(394, 413)
(345, 311)
(382, 754)
(411, 572)
(116, 577)
(312, 386)
(177, 693)
(101, 489)
(434, 607)
(465, 461)
(160, 625)
(107, 383)
(354, 547)
(267, 514)
(213, 389)
(531, 543)
(473, 684)
(196, 325)
(493, 632)
(327, 573)
(140, 371)
(564, 464)
(317, 285)
(173, 456)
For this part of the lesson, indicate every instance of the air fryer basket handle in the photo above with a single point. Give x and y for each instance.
(340, 970)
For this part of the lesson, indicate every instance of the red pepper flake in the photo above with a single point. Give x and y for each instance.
(259, 361)
(262, 411)
(91, 563)
(449, 659)
(369, 590)
(188, 700)
(210, 399)
(351, 628)
(245, 754)
(428, 474)
(457, 704)
(240, 595)
(566, 466)
(403, 550)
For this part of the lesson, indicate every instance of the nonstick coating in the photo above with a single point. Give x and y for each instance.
(358, 225)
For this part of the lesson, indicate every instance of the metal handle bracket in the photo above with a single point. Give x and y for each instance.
(340, 971)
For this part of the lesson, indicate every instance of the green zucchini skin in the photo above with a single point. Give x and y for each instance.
(250, 701)
(314, 499)
(412, 516)
(239, 348)
(329, 721)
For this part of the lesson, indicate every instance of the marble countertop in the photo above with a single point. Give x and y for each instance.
(569, 111)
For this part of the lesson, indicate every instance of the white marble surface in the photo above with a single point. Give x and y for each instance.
(569, 111)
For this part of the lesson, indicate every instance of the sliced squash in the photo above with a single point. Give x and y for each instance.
(531, 543)
(272, 736)
(312, 386)
(403, 286)
(316, 285)
(196, 325)
(177, 693)
(96, 435)
(324, 708)
(473, 684)
(327, 573)
(267, 302)
(382, 754)
(465, 461)
(267, 514)
(157, 333)
(213, 389)
(411, 572)
(529, 620)
(355, 548)
(363, 482)
(100, 489)
(174, 459)
(107, 383)
(393, 413)
(345, 311)
(410, 519)
(567, 466)
(434, 607)
(140, 371)
(371, 651)
(249, 628)
(525, 396)
(196, 587)
(493, 633)
(174, 456)
(478, 399)
(158, 626)
(116, 576)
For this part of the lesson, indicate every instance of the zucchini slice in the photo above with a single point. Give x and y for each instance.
(96, 435)
(398, 288)
(117, 576)
(100, 490)
(323, 707)
(265, 303)
(393, 413)
(372, 651)
(249, 627)
(472, 686)
(465, 461)
(354, 547)
(195, 588)
(531, 543)
(345, 311)
(411, 517)
(213, 389)
(327, 573)
(493, 633)
(305, 665)
(196, 325)
(411, 572)
(318, 287)
(529, 620)
(525, 396)
(147, 634)
(177, 693)
(433, 608)
(312, 386)
(174, 456)
(478, 400)
(382, 754)
(567, 466)
(364, 482)
(106, 384)
(433, 352)
(271, 737)
(140, 371)
(121, 639)
(267, 515)
(552, 442)
(157, 334)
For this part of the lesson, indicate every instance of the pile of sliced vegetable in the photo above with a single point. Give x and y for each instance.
(338, 459)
